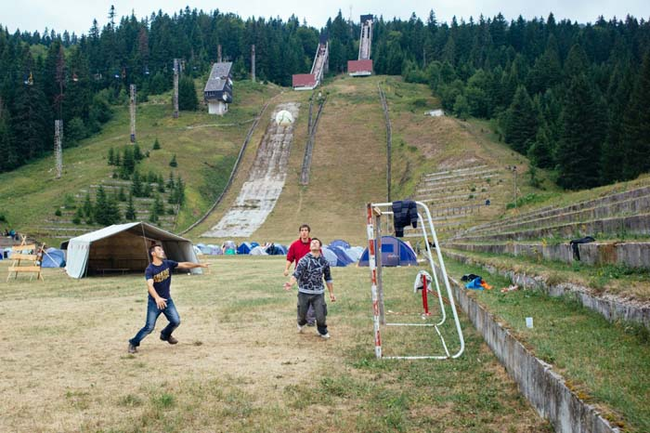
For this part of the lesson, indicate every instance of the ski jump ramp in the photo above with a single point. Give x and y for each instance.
(263, 187)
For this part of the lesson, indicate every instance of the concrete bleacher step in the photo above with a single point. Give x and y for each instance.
(459, 181)
(549, 211)
(629, 207)
(456, 171)
(631, 254)
(461, 188)
(632, 225)
(469, 174)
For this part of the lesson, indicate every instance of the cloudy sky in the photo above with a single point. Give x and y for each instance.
(77, 16)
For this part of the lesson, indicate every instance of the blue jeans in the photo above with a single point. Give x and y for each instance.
(152, 315)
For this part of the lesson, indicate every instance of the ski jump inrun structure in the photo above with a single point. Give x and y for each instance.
(363, 66)
(263, 187)
(319, 68)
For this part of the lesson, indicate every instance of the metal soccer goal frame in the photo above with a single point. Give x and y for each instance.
(374, 214)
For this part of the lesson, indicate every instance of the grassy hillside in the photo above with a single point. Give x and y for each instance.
(205, 147)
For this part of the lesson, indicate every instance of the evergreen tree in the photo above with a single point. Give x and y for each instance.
(31, 122)
(128, 163)
(636, 125)
(541, 151)
(101, 210)
(579, 147)
(88, 206)
(187, 99)
(173, 162)
(121, 196)
(147, 190)
(111, 156)
(521, 124)
(136, 185)
(156, 144)
(130, 209)
(461, 108)
(8, 160)
(153, 213)
(137, 154)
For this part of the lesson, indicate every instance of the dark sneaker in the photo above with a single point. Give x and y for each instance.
(170, 339)
(132, 348)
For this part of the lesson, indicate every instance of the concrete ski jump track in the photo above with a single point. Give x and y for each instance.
(261, 191)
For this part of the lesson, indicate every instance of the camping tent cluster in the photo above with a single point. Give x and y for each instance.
(251, 248)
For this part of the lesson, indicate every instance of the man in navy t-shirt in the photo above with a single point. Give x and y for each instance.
(159, 278)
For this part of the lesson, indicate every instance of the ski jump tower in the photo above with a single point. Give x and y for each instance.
(319, 67)
(363, 66)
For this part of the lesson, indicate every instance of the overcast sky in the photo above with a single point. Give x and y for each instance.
(77, 15)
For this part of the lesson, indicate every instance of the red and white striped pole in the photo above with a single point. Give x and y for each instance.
(425, 301)
(372, 264)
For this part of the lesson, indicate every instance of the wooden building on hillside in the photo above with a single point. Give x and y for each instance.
(218, 89)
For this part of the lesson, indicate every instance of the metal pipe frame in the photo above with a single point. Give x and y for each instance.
(374, 212)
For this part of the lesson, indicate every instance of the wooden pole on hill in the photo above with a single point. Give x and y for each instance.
(219, 53)
(175, 97)
(132, 112)
(253, 63)
(58, 148)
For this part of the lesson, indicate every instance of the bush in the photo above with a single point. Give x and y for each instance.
(57, 212)
(3, 218)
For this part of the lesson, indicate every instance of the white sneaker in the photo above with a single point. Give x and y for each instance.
(325, 336)
(299, 328)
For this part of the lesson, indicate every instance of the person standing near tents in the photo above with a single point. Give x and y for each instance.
(297, 250)
(159, 278)
(309, 273)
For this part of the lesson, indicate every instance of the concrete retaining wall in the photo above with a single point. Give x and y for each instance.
(610, 307)
(630, 254)
(545, 390)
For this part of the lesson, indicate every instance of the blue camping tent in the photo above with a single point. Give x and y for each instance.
(339, 243)
(276, 250)
(394, 252)
(244, 248)
(53, 259)
(343, 258)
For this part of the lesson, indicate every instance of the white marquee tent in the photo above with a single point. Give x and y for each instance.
(125, 248)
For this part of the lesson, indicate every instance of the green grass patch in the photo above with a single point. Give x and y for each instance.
(604, 363)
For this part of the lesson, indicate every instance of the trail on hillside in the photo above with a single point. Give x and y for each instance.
(260, 192)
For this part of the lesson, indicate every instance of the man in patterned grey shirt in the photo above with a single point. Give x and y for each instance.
(309, 274)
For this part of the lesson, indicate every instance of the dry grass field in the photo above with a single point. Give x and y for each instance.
(240, 365)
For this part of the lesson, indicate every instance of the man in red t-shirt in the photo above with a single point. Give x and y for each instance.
(297, 250)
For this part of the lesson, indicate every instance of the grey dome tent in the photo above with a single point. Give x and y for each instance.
(124, 247)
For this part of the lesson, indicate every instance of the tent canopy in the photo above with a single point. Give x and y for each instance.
(394, 252)
(124, 247)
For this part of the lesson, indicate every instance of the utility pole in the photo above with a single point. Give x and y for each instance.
(219, 53)
(513, 169)
(175, 97)
(132, 112)
(58, 147)
(253, 63)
